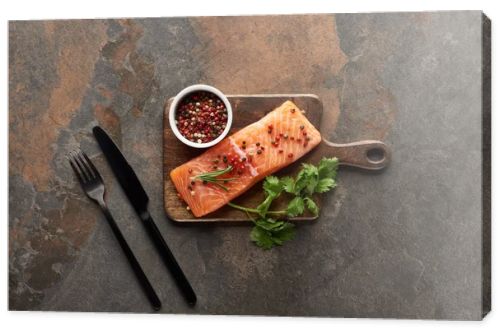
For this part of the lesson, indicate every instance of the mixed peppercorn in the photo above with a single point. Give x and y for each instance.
(201, 117)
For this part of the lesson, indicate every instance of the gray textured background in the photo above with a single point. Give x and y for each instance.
(402, 243)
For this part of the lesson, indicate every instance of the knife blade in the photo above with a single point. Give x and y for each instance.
(139, 199)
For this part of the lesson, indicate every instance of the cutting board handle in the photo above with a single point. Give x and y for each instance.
(365, 154)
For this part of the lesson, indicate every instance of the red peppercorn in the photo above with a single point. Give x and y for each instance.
(290, 155)
(304, 133)
(280, 151)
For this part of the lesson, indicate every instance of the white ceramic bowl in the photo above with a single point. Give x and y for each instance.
(196, 88)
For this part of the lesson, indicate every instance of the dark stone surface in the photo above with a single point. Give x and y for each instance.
(402, 243)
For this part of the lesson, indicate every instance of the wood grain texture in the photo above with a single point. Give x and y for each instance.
(248, 109)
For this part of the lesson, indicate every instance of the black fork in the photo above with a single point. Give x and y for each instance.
(93, 185)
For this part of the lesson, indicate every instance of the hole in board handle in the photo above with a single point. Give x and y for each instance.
(375, 155)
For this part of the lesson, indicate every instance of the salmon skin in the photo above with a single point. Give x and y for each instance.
(254, 152)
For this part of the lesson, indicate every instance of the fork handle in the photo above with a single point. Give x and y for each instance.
(139, 272)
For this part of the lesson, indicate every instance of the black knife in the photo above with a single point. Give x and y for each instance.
(139, 200)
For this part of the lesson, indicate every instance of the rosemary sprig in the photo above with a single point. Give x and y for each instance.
(212, 177)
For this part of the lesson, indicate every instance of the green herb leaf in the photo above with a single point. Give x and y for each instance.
(306, 179)
(288, 184)
(263, 207)
(269, 224)
(295, 207)
(272, 186)
(286, 233)
(273, 189)
(311, 205)
(261, 237)
(327, 168)
(327, 172)
(268, 233)
(325, 185)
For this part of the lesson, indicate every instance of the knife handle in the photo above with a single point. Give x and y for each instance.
(169, 259)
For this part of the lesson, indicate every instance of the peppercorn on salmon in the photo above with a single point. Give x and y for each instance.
(225, 171)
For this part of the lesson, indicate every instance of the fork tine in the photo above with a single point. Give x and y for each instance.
(75, 168)
(91, 165)
(84, 171)
(85, 165)
(78, 167)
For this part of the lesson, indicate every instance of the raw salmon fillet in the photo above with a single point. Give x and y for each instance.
(256, 151)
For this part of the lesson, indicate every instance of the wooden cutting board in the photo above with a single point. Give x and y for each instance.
(247, 109)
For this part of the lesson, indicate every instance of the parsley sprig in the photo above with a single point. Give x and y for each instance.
(269, 232)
